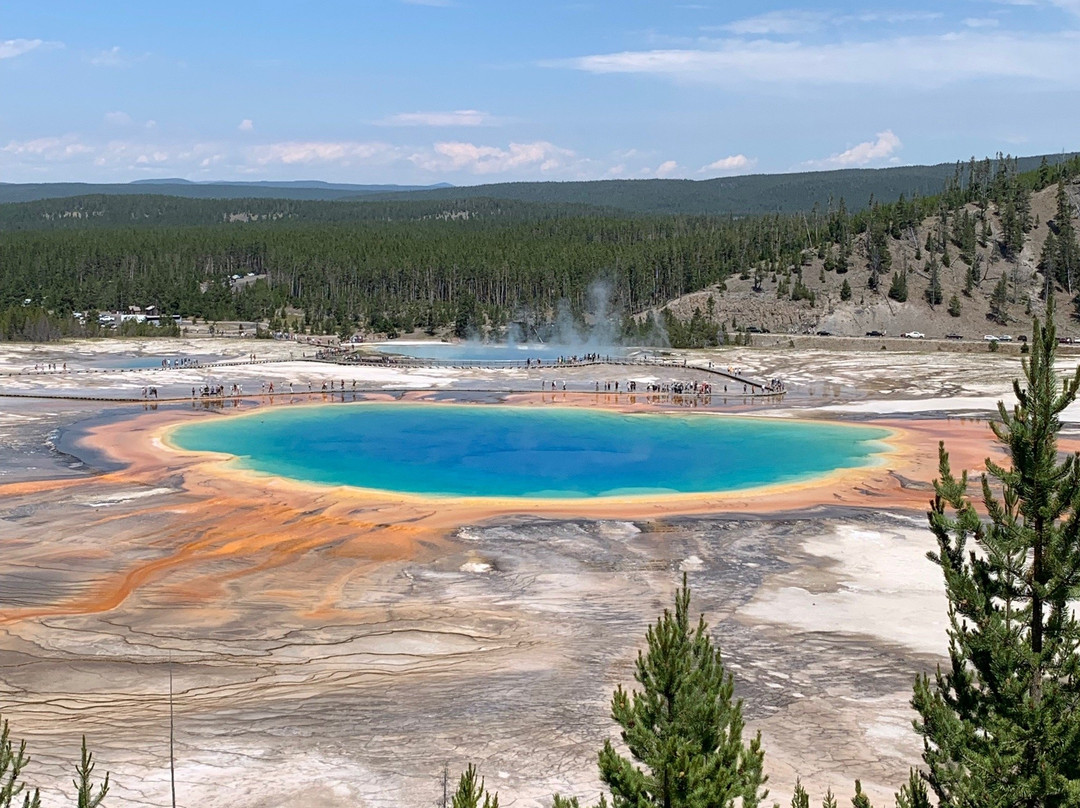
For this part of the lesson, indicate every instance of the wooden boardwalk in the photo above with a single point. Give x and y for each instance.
(752, 389)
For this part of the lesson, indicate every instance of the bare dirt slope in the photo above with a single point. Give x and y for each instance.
(738, 306)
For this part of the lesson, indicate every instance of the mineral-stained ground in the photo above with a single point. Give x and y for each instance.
(328, 652)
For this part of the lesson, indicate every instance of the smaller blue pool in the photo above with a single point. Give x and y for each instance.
(492, 352)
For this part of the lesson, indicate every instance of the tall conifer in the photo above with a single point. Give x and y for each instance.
(1001, 724)
(683, 727)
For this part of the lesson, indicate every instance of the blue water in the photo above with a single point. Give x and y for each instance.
(492, 352)
(495, 451)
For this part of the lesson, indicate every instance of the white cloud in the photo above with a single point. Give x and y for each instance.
(10, 48)
(667, 168)
(735, 164)
(1071, 6)
(982, 22)
(870, 151)
(793, 22)
(923, 61)
(50, 149)
(778, 22)
(343, 153)
(246, 125)
(460, 117)
(114, 57)
(117, 118)
(142, 154)
(458, 156)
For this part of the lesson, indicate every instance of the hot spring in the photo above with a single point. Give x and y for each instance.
(553, 452)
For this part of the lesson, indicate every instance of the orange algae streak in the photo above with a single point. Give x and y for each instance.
(228, 533)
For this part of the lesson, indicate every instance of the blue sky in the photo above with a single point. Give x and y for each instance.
(472, 91)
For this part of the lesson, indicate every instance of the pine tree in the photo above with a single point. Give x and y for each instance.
(860, 800)
(84, 785)
(1001, 726)
(999, 300)
(683, 726)
(934, 292)
(1066, 255)
(470, 792)
(12, 762)
(829, 801)
(913, 793)
(969, 282)
(800, 799)
(954, 306)
(845, 290)
(898, 288)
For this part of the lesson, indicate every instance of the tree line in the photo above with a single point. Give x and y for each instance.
(471, 265)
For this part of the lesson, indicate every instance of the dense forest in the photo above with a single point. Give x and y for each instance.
(473, 265)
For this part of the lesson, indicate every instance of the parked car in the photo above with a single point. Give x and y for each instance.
(824, 333)
(875, 333)
(1005, 338)
(992, 338)
(913, 334)
(1021, 338)
(954, 336)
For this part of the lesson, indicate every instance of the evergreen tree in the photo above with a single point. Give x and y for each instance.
(934, 293)
(969, 281)
(829, 801)
(898, 288)
(845, 290)
(999, 300)
(954, 306)
(913, 793)
(800, 799)
(84, 785)
(1001, 726)
(470, 792)
(12, 761)
(683, 726)
(860, 800)
(1066, 257)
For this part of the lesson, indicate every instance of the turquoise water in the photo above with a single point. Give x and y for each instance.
(495, 451)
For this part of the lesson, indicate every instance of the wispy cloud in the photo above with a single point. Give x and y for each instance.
(797, 22)
(879, 150)
(115, 57)
(344, 153)
(925, 61)
(456, 156)
(117, 118)
(778, 22)
(49, 149)
(735, 164)
(10, 48)
(246, 125)
(460, 117)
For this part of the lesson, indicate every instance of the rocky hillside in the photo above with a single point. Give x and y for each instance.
(739, 305)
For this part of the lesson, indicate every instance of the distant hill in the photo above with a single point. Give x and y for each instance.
(746, 195)
(301, 189)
